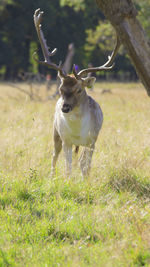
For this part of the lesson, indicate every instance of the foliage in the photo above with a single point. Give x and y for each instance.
(102, 220)
(33, 64)
(76, 4)
(143, 14)
(3, 3)
(103, 36)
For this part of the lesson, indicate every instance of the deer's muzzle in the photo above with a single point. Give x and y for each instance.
(66, 108)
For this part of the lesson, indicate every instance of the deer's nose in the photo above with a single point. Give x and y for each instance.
(66, 108)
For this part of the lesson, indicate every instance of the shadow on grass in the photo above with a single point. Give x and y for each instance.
(142, 259)
(3, 259)
(5, 201)
(127, 180)
(25, 195)
(79, 195)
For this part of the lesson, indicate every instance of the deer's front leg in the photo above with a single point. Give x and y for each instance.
(68, 158)
(57, 149)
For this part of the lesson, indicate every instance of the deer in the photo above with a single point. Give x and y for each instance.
(78, 117)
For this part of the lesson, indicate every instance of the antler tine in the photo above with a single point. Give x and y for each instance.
(107, 66)
(114, 53)
(45, 49)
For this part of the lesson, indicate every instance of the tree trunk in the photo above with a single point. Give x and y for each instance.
(69, 57)
(122, 15)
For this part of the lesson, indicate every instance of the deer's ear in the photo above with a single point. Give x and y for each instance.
(88, 82)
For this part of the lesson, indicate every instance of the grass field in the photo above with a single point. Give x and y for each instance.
(101, 221)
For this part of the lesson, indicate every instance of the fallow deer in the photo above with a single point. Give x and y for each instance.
(78, 117)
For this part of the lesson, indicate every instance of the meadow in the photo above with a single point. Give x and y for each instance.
(103, 220)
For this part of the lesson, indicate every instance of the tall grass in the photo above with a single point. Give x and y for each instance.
(101, 221)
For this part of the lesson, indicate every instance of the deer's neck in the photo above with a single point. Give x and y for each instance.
(82, 105)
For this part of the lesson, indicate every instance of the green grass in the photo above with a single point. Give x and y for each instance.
(101, 221)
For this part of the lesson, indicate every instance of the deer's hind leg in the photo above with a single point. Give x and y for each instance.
(68, 158)
(57, 149)
(85, 160)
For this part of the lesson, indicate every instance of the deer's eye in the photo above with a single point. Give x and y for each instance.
(79, 91)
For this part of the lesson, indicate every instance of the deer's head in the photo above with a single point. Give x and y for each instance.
(72, 91)
(72, 88)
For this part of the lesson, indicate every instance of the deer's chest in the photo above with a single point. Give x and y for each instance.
(75, 129)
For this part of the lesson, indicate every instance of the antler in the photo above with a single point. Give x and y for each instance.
(45, 49)
(107, 66)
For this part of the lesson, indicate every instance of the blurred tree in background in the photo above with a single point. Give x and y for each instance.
(77, 21)
(143, 7)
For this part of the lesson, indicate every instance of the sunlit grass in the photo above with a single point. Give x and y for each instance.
(101, 221)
